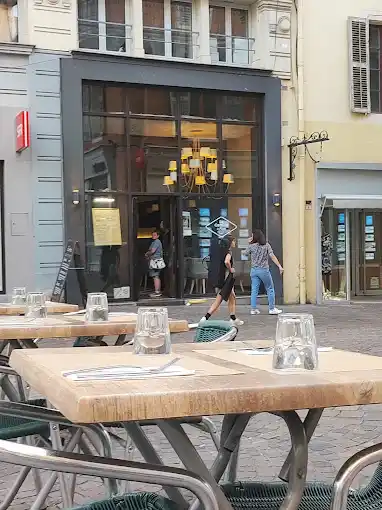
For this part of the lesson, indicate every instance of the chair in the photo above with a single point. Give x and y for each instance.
(215, 331)
(40, 458)
(197, 271)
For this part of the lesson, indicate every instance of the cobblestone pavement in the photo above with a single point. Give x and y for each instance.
(265, 444)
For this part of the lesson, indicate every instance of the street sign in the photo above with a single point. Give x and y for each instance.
(221, 227)
(23, 140)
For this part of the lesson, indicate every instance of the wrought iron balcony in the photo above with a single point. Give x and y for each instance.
(104, 36)
(170, 42)
(232, 49)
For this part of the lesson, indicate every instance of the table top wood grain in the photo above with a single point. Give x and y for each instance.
(247, 390)
(72, 326)
(10, 309)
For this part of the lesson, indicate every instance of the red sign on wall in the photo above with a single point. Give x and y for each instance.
(23, 139)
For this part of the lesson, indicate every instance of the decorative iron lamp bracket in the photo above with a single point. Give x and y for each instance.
(294, 142)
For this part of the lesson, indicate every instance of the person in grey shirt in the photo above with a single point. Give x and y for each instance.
(261, 251)
(155, 253)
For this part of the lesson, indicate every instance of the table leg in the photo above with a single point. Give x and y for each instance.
(190, 458)
(299, 464)
(150, 455)
(120, 340)
(310, 425)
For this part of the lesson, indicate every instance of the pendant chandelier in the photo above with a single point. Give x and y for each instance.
(198, 168)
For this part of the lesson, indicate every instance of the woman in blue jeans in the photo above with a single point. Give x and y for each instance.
(261, 252)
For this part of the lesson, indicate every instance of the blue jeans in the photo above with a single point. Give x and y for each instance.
(258, 275)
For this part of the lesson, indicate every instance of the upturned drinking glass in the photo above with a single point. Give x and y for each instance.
(19, 296)
(295, 345)
(97, 308)
(152, 334)
(36, 306)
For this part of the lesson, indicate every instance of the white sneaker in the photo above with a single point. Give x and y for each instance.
(255, 311)
(236, 322)
(202, 320)
(275, 311)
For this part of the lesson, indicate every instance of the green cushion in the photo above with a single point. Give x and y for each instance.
(209, 331)
(13, 428)
(317, 496)
(139, 501)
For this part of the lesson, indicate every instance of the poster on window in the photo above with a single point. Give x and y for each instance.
(187, 228)
(106, 227)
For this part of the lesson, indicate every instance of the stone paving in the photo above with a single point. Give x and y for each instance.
(341, 432)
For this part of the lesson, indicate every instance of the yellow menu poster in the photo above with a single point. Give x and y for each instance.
(106, 227)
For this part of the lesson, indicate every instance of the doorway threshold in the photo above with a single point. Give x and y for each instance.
(160, 301)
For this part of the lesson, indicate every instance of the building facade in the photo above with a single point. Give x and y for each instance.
(143, 114)
(342, 95)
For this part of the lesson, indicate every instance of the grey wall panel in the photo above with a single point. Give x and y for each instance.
(44, 79)
(18, 202)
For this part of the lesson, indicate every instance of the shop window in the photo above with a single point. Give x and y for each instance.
(239, 108)
(206, 224)
(229, 39)
(105, 165)
(151, 101)
(199, 104)
(9, 21)
(167, 28)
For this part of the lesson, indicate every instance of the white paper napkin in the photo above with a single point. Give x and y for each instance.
(129, 373)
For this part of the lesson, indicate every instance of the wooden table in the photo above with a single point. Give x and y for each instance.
(23, 330)
(10, 309)
(227, 381)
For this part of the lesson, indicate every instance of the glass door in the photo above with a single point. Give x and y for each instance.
(369, 252)
(155, 224)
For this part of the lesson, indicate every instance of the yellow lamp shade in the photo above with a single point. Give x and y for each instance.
(228, 179)
(172, 166)
(200, 180)
(205, 152)
(213, 153)
(185, 169)
(212, 167)
(167, 181)
(186, 153)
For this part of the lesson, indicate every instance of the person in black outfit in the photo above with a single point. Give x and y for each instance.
(226, 282)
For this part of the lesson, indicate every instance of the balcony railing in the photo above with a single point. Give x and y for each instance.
(170, 42)
(231, 49)
(104, 36)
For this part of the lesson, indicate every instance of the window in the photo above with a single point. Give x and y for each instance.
(102, 26)
(376, 68)
(9, 21)
(167, 28)
(229, 41)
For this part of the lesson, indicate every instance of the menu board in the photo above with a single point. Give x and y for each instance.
(106, 227)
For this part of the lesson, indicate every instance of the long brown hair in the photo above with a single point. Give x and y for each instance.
(258, 237)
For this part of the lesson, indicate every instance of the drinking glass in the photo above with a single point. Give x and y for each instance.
(19, 296)
(295, 345)
(152, 334)
(36, 305)
(97, 308)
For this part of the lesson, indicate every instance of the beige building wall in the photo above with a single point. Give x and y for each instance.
(354, 138)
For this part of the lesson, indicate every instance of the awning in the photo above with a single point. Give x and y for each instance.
(355, 201)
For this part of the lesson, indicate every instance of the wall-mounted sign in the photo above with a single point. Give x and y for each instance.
(23, 139)
(374, 282)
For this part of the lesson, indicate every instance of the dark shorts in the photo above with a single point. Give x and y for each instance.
(154, 273)
(227, 287)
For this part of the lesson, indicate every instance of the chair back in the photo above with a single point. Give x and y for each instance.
(215, 331)
(196, 268)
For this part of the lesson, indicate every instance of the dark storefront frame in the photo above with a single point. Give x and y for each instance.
(84, 68)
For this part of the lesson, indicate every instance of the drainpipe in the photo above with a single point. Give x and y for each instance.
(301, 156)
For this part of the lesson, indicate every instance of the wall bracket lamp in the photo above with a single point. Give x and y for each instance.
(75, 196)
(276, 199)
(294, 142)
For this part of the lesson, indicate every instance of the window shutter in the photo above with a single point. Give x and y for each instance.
(359, 65)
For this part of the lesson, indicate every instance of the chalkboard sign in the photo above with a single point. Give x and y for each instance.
(63, 271)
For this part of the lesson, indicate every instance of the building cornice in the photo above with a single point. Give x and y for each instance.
(16, 48)
(274, 5)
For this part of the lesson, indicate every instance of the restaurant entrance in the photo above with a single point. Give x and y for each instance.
(155, 214)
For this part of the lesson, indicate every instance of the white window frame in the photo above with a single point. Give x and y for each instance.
(102, 28)
(168, 27)
(228, 27)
